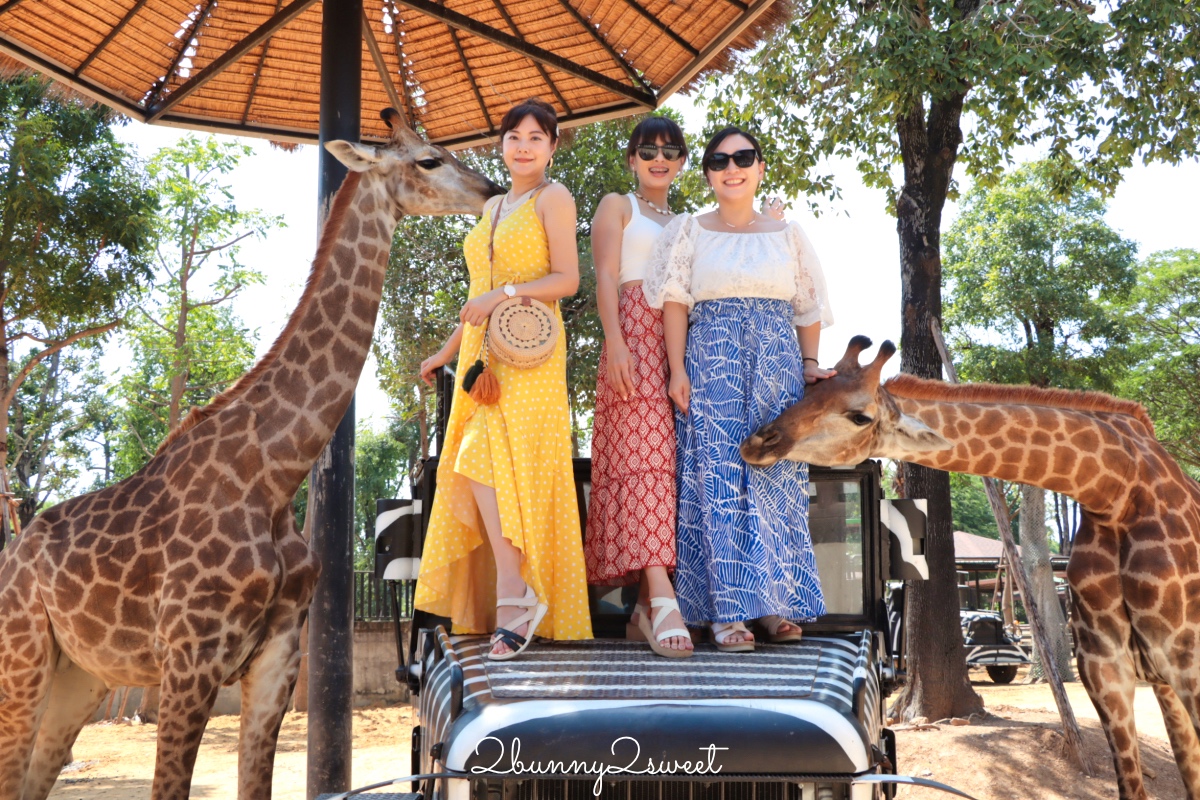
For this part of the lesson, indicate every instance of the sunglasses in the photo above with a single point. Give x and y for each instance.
(718, 162)
(648, 152)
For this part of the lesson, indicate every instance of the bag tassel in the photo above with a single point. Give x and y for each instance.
(486, 389)
(480, 383)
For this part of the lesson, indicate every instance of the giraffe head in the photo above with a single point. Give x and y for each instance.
(843, 420)
(419, 178)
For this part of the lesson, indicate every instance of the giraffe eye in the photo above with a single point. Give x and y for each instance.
(429, 163)
(860, 418)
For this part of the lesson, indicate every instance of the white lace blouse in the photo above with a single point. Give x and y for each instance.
(691, 264)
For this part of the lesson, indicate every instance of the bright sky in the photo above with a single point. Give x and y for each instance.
(856, 239)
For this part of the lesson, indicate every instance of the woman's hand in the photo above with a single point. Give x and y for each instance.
(680, 390)
(476, 311)
(813, 372)
(620, 369)
(439, 359)
(773, 207)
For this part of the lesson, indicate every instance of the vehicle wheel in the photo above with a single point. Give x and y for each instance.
(1002, 673)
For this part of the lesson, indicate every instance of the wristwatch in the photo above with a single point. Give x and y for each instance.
(510, 290)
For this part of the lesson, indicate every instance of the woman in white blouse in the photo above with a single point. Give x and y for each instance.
(744, 301)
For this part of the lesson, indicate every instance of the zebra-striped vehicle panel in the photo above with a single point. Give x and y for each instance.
(614, 702)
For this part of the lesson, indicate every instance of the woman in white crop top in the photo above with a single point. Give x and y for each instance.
(631, 513)
(744, 301)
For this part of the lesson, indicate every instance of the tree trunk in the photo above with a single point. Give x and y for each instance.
(1035, 555)
(938, 685)
(6, 531)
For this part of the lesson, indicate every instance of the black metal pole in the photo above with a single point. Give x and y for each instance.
(331, 482)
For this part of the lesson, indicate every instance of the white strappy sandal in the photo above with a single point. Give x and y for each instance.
(721, 631)
(655, 637)
(632, 632)
(515, 641)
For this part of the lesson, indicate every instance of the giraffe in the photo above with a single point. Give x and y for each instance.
(1135, 564)
(191, 574)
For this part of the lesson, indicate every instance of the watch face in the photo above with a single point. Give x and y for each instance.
(510, 290)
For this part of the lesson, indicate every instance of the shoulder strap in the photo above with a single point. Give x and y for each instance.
(637, 212)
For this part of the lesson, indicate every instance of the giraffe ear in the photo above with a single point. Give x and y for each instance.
(357, 157)
(910, 435)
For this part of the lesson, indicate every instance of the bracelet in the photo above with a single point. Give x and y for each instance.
(810, 358)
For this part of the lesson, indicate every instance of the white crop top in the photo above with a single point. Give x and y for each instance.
(637, 244)
(691, 264)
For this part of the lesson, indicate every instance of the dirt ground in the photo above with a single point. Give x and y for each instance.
(1014, 753)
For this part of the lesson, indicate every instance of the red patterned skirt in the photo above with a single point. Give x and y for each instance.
(631, 514)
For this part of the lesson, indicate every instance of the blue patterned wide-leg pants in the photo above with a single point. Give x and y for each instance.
(743, 545)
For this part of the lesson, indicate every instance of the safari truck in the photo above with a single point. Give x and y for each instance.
(606, 718)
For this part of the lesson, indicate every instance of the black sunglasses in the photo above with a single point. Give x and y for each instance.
(648, 152)
(743, 158)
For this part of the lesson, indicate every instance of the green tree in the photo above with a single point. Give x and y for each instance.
(1031, 278)
(1164, 372)
(200, 228)
(76, 223)
(48, 452)
(381, 468)
(219, 349)
(971, 511)
(906, 89)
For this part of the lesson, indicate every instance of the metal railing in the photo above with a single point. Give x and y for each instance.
(374, 599)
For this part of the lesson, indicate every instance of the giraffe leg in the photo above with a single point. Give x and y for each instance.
(266, 688)
(1111, 683)
(27, 654)
(74, 697)
(1184, 740)
(268, 683)
(189, 687)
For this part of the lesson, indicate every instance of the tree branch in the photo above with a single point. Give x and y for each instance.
(19, 378)
(221, 247)
(237, 287)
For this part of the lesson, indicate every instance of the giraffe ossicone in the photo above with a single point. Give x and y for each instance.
(1134, 569)
(191, 574)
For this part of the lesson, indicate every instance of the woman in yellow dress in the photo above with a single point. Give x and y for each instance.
(505, 471)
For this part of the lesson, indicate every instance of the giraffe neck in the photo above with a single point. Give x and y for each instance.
(301, 389)
(1086, 455)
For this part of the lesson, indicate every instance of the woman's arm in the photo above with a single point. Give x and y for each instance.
(442, 357)
(675, 328)
(556, 209)
(810, 340)
(608, 231)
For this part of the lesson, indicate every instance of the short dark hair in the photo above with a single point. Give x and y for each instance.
(722, 135)
(649, 130)
(541, 111)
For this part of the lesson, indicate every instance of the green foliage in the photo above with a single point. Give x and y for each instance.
(381, 467)
(219, 349)
(1030, 279)
(76, 213)
(187, 344)
(971, 511)
(49, 450)
(427, 278)
(1094, 88)
(1164, 373)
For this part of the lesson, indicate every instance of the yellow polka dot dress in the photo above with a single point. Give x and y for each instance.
(522, 447)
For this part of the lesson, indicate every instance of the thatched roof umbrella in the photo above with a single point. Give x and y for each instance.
(303, 71)
(252, 67)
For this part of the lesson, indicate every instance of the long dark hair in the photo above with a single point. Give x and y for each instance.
(541, 111)
(649, 130)
(722, 135)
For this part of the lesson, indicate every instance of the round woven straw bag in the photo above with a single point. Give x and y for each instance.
(522, 333)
